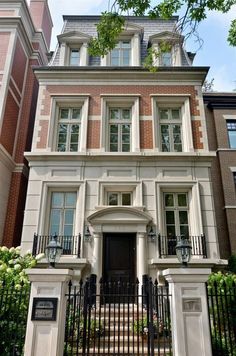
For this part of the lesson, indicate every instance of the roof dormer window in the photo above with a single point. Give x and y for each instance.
(120, 55)
(74, 48)
(166, 59)
(74, 57)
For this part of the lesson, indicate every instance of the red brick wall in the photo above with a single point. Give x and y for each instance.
(27, 116)
(4, 40)
(146, 134)
(9, 125)
(93, 134)
(43, 134)
(15, 210)
(41, 18)
(19, 66)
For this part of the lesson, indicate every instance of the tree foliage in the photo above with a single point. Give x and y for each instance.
(193, 12)
(14, 299)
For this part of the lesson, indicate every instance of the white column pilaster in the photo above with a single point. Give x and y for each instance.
(97, 255)
(47, 337)
(189, 311)
(141, 255)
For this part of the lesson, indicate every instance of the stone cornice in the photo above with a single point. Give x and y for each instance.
(219, 101)
(135, 75)
(42, 157)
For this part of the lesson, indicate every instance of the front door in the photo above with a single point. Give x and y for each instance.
(119, 264)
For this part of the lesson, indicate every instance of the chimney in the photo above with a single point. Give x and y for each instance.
(42, 18)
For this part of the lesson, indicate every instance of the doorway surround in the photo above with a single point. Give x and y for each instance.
(119, 219)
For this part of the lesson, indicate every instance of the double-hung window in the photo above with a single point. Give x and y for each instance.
(119, 198)
(176, 214)
(119, 129)
(121, 54)
(166, 59)
(231, 127)
(170, 129)
(62, 213)
(74, 59)
(68, 129)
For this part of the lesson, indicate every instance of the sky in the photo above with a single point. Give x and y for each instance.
(215, 52)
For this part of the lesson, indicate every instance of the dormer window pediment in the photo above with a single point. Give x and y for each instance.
(74, 48)
(73, 37)
(170, 57)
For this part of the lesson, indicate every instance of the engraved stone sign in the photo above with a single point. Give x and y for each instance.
(44, 309)
(192, 305)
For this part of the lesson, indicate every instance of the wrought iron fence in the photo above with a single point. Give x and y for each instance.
(71, 244)
(118, 319)
(14, 300)
(222, 314)
(167, 245)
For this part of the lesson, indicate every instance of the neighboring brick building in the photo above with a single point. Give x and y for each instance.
(24, 42)
(221, 127)
(122, 152)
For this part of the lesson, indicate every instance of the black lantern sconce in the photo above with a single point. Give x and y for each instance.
(53, 251)
(184, 250)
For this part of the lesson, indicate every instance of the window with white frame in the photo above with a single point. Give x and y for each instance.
(119, 198)
(166, 59)
(121, 54)
(176, 209)
(231, 127)
(74, 57)
(119, 129)
(170, 129)
(68, 129)
(62, 213)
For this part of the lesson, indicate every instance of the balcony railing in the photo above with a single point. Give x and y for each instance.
(168, 244)
(71, 244)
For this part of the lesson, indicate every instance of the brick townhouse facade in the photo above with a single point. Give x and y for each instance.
(221, 127)
(120, 162)
(25, 34)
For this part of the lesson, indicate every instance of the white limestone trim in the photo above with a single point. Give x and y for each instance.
(229, 207)
(229, 117)
(7, 72)
(195, 217)
(22, 168)
(6, 159)
(168, 101)
(117, 186)
(233, 169)
(202, 117)
(47, 188)
(61, 101)
(119, 101)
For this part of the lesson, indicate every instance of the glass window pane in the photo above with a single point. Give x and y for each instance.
(112, 199)
(114, 138)
(68, 231)
(176, 129)
(125, 44)
(125, 129)
(113, 129)
(70, 199)
(182, 200)
(126, 199)
(232, 139)
(64, 113)
(183, 217)
(69, 217)
(74, 57)
(125, 147)
(175, 114)
(73, 147)
(54, 230)
(57, 200)
(170, 217)
(184, 230)
(126, 114)
(170, 230)
(169, 200)
(166, 59)
(114, 114)
(55, 217)
(125, 138)
(113, 147)
(163, 114)
(76, 114)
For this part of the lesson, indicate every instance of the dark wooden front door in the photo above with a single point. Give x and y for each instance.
(119, 257)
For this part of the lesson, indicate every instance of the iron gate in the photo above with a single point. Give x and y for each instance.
(118, 318)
